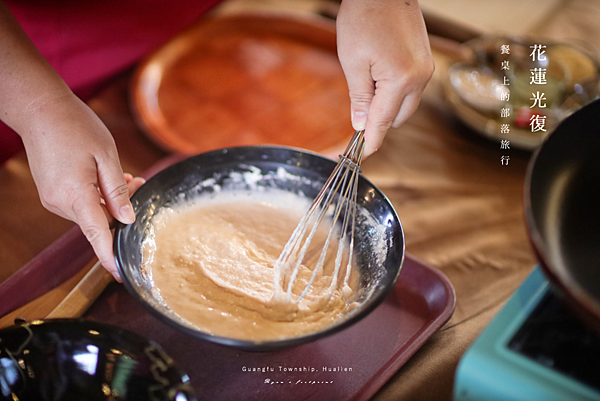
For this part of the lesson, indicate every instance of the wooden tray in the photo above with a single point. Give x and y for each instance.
(245, 80)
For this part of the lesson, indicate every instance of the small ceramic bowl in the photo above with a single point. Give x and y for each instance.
(76, 359)
(493, 80)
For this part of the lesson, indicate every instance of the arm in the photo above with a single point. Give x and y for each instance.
(72, 155)
(384, 51)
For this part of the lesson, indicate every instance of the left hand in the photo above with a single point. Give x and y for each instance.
(385, 54)
(76, 169)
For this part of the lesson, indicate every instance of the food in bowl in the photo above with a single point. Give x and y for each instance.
(212, 262)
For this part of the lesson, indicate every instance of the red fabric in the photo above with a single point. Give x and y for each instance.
(10, 143)
(88, 42)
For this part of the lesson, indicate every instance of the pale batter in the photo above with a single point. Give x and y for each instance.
(213, 264)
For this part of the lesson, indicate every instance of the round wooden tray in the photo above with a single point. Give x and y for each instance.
(245, 80)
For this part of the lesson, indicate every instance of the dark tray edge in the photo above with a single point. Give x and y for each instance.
(403, 354)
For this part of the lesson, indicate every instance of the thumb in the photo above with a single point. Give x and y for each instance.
(361, 96)
(115, 191)
(361, 88)
(359, 117)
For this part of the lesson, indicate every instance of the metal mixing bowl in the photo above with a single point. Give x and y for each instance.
(379, 239)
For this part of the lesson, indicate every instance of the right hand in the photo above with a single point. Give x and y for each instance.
(384, 51)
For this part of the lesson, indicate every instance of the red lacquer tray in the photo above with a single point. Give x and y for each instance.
(350, 365)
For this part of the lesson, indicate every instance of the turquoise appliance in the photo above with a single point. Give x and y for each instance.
(534, 349)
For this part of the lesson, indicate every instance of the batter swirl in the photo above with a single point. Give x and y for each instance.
(213, 265)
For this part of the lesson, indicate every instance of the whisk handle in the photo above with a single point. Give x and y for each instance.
(354, 151)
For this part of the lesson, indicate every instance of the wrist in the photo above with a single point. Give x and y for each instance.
(45, 109)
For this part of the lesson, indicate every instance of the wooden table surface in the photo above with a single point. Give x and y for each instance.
(462, 211)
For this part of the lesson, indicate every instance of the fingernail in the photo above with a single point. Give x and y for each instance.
(127, 214)
(117, 277)
(359, 120)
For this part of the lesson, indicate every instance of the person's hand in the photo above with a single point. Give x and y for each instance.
(385, 54)
(71, 153)
(76, 169)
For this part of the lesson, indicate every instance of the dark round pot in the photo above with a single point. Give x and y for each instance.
(562, 203)
(80, 360)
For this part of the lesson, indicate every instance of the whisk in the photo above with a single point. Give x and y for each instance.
(339, 191)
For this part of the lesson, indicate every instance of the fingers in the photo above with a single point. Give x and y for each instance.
(388, 110)
(114, 188)
(134, 184)
(90, 217)
(384, 108)
(95, 221)
(380, 98)
(361, 95)
(408, 108)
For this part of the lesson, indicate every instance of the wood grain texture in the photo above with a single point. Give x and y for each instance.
(84, 294)
(246, 80)
(42, 306)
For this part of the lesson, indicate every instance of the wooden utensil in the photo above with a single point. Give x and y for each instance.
(70, 299)
(84, 294)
